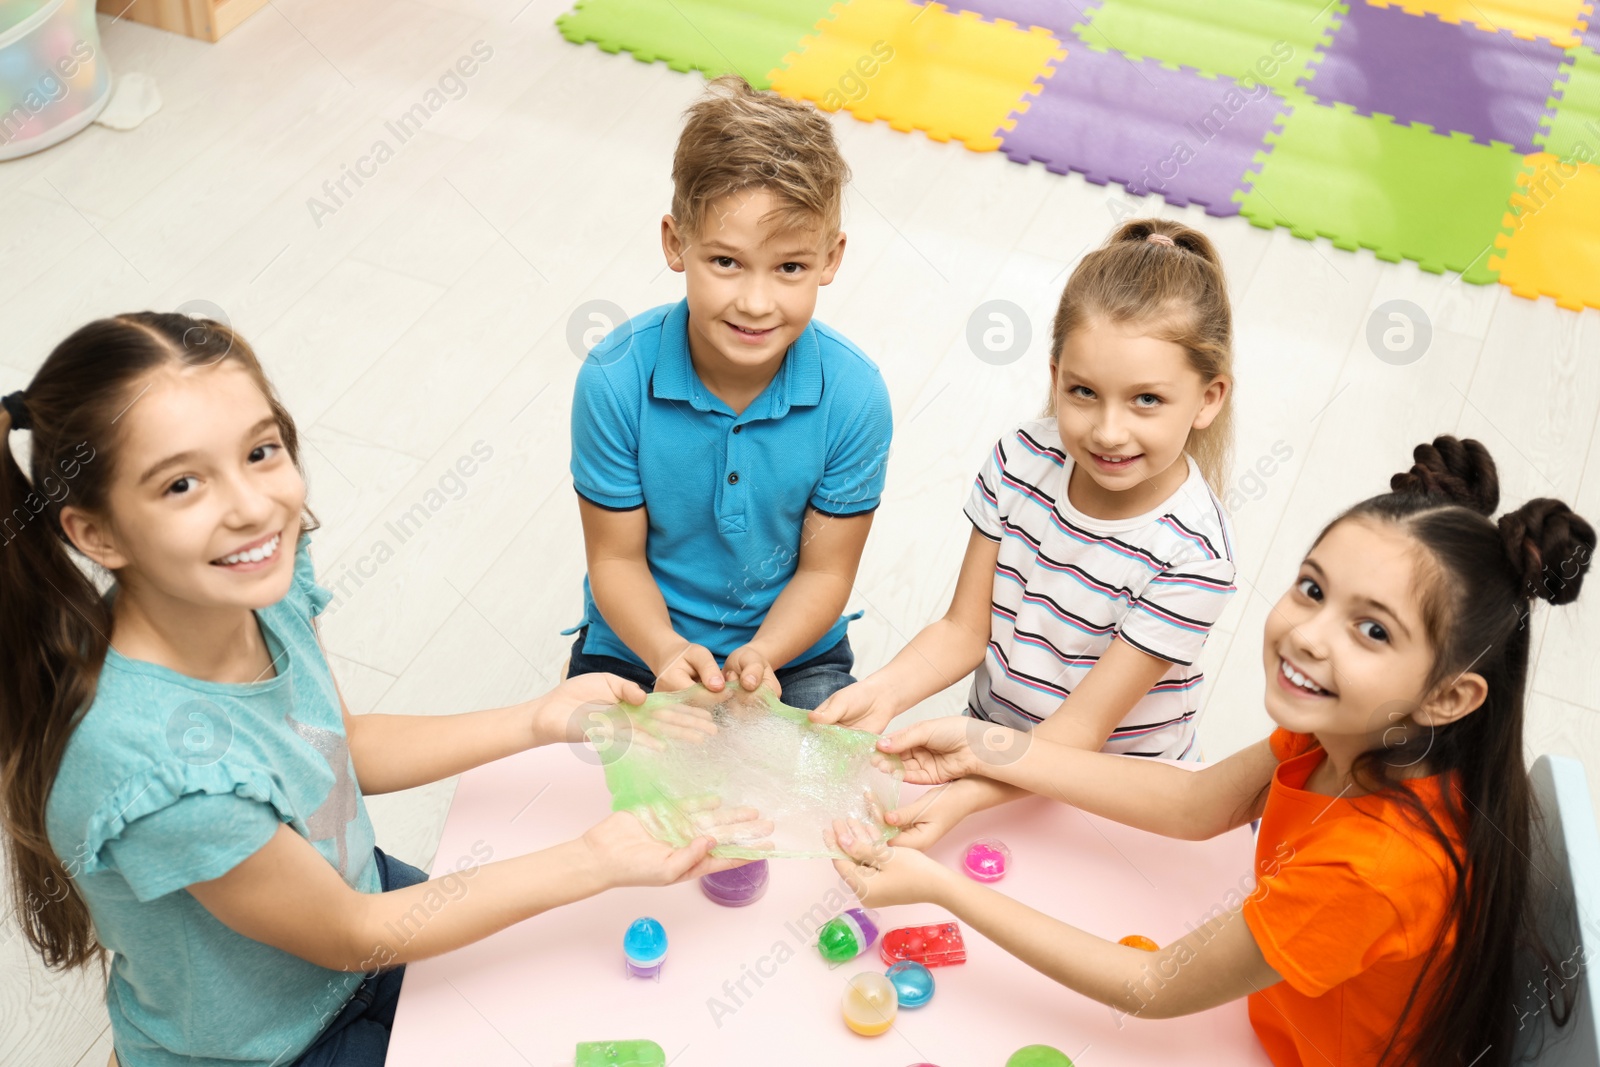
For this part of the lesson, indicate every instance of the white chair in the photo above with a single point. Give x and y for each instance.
(1566, 890)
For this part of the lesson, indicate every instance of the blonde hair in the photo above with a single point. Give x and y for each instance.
(1171, 287)
(736, 138)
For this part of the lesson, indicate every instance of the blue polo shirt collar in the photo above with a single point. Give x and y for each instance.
(797, 384)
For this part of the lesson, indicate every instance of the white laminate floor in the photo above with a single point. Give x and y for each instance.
(429, 312)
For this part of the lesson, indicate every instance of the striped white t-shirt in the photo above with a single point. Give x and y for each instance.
(1067, 584)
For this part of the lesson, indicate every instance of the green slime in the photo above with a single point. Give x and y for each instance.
(680, 755)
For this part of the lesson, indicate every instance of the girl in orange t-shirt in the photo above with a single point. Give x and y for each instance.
(1395, 808)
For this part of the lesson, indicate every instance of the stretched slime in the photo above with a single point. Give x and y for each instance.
(680, 761)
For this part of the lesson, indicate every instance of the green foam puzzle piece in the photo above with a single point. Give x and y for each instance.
(1574, 130)
(678, 754)
(620, 1054)
(1403, 191)
(1269, 40)
(744, 37)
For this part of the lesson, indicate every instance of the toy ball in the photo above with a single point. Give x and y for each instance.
(737, 886)
(1038, 1056)
(913, 983)
(870, 1004)
(846, 936)
(1140, 941)
(986, 860)
(644, 948)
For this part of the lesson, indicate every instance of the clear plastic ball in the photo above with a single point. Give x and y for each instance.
(870, 1004)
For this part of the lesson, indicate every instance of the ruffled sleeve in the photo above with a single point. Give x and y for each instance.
(172, 824)
(305, 598)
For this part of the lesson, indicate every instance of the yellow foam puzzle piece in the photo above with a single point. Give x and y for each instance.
(1552, 243)
(1558, 21)
(920, 67)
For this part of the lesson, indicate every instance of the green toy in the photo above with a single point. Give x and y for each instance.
(620, 1054)
(1038, 1056)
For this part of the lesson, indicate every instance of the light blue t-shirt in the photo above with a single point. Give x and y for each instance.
(168, 781)
(726, 495)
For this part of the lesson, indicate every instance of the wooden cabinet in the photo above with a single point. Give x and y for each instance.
(207, 20)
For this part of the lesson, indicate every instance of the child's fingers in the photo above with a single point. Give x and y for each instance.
(687, 722)
(744, 832)
(914, 812)
(874, 808)
(855, 840)
(684, 860)
(913, 736)
(849, 874)
(704, 666)
(698, 803)
(918, 768)
(674, 678)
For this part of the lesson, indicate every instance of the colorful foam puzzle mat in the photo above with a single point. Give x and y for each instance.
(1463, 135)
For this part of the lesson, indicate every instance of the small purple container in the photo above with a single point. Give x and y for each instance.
(738, 886)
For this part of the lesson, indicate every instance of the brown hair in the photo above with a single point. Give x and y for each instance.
(736, 138)
(1173, 288)
(1476, 585)
(54, 624)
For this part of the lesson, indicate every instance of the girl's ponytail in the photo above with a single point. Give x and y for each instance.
(53, 628)
(1165, 232)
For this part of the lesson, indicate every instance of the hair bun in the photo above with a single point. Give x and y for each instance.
(1549, 546)
(1171, 234)
(1458, 471)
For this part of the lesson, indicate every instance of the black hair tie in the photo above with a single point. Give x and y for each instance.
(16, 406)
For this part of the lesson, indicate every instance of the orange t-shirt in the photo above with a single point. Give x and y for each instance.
(1352, 896)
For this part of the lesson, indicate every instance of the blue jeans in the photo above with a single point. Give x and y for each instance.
(805, 685)
(359, 1035)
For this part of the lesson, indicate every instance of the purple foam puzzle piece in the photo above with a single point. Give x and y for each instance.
(1057, 16)
(1150, 128)
(1453, 78)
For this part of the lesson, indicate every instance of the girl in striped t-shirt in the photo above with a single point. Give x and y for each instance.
(1100, 555)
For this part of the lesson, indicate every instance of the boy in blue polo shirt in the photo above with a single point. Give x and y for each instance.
(728, 451)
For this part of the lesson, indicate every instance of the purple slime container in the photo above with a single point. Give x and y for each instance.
(738, 886)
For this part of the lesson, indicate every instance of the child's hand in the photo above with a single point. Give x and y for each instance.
(690, 665)
(928, 818)
(880, 874)
(750, 670)
(566, 712)
(938, 750)
(628, 855)
(862, 706)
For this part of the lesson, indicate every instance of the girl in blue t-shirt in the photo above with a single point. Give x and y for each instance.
(182, 784)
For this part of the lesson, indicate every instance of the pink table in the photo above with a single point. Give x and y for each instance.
(529, 994)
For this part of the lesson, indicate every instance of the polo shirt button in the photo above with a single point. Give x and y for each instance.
(733, 479)
(736, 429)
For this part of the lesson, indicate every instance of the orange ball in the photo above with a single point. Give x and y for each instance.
(1140, 941)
